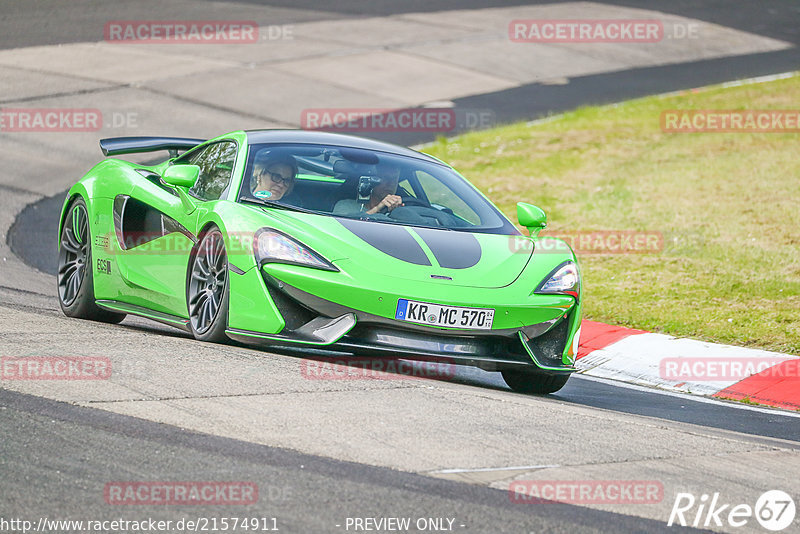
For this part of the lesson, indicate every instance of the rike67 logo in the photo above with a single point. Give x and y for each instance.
(774, 510)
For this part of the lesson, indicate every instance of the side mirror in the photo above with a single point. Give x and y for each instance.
(181, 175)
(531, 217)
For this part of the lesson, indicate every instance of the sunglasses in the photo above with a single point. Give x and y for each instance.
(277, 177)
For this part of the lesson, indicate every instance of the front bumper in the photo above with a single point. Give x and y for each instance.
(308, 319)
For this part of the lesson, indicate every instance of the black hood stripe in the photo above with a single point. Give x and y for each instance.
(390, 239)
(453, 250)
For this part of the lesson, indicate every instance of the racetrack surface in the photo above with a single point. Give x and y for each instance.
(290, 483)
(176, 409)
(465, 429)
(80, 20)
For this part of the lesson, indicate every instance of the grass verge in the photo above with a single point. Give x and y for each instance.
(727, 205)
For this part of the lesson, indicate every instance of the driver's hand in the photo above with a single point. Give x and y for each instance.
(389, 203)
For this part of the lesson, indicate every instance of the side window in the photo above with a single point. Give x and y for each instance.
(216, 167)
(406, 189)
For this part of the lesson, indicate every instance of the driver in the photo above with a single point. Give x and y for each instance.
(382, 199)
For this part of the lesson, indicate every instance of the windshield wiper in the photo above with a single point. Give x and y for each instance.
(274, 204)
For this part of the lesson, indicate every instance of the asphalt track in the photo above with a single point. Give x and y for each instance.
(54, 22)
(82, 21)
(78, 448)
(55, 457)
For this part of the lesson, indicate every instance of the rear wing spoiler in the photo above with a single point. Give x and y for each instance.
(115, 146)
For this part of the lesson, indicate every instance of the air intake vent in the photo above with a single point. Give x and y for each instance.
(294, 314)
(550, 345)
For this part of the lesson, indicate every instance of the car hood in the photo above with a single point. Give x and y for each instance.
(408, 252)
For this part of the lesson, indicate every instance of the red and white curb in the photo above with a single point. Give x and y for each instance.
(689, 366)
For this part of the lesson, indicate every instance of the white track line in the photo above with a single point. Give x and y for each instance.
(486, 469)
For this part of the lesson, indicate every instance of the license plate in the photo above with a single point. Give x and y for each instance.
(438, 315)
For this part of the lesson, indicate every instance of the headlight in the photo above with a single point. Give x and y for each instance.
(275, 247)
(563, 279)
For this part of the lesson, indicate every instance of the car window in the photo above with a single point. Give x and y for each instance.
(442, 197)
(361, 184)
(216, 168)
(405, 187)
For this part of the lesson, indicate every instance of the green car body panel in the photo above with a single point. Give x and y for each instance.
(150, 279)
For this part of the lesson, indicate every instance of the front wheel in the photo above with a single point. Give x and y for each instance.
(539, 383)
(207, 288)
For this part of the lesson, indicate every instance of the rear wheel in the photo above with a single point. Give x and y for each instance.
(75, 277)
(523, 382)
(207, 291)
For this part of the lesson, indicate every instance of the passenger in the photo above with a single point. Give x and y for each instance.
(273, 177)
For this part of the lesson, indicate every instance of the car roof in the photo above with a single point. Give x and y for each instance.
(255, 137)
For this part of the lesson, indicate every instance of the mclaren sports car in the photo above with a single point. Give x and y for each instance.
(312, 239)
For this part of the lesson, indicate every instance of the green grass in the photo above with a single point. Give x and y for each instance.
(728, 206)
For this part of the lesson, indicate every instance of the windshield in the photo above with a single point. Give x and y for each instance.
(367, 185)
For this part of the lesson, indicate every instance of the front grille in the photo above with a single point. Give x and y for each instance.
(482, 346)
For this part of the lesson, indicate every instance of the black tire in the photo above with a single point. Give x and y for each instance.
(75, 276)
(538, 383)
(207, 288)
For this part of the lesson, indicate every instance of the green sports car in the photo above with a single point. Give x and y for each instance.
(286, 237)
